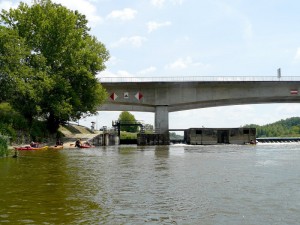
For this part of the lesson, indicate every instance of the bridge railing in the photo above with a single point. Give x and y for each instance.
(198, 78)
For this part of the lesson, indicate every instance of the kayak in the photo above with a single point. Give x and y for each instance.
(86, 146)
(56, 147)
(24, 148)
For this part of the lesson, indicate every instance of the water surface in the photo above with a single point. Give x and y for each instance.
(226, 184)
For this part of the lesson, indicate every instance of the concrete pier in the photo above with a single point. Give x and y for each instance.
(162, 119)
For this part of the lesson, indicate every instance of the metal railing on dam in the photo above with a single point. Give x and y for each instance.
(199, 79)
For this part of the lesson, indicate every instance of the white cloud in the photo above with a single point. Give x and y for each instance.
(180, 63)
(108, 75)
(288, 109)
(135, 41)
(297, 56)
(177, 2)
(119, 76)
(125, 14)
(183, 63)
(85, 7)
(113, 60)
(7, 5)
(161, 3)
(120, 73)
(147, 70)
(152, 26)
(158, 3)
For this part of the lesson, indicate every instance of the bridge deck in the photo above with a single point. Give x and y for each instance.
(198, 78)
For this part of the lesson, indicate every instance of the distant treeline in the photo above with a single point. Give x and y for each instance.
(283, 128)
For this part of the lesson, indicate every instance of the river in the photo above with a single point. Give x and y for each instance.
(178, 184)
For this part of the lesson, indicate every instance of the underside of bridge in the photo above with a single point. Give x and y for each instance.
(164, 97)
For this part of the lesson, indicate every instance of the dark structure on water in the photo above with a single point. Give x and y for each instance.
(204, 136)
(214, 136)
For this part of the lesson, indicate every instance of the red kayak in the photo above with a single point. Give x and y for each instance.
(86, 146)
(24, 148)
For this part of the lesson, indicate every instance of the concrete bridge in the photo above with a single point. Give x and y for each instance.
(164, 95)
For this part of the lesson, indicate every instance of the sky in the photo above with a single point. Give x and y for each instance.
(177, 38)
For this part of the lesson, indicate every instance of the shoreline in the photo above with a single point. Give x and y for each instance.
(68, 141)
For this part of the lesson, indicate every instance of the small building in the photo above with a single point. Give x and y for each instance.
(214, 136)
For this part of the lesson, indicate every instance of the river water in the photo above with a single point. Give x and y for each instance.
(225, 184)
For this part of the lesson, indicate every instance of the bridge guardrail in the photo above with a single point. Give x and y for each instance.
(198, 78)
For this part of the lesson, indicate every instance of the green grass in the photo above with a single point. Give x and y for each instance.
(128, 135)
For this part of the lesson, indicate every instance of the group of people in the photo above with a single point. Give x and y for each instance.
(79, 144)
(36, 144)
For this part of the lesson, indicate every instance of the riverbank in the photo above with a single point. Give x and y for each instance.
(70, 133)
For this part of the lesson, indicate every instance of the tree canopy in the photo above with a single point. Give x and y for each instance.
(127, 118)
(284, 128)
(49, 62)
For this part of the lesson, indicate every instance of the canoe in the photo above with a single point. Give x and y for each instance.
(57, 147)
(28, 148)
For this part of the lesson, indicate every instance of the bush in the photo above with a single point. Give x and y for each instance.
(8, 131)
(3, 146)
(9, 116)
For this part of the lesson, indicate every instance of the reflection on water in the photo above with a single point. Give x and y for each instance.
(177, 184)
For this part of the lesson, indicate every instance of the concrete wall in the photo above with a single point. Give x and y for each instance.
(105, 139)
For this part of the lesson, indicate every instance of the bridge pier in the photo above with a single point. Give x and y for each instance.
(161, 137)
(162, 119)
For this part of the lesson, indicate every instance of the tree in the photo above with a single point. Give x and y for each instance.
(283, 128)
(127, 118)
(57, 67)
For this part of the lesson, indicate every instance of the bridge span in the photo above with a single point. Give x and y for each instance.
(170, 95)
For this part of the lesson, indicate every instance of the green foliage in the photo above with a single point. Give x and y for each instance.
(3, 146)
(128, 135)
(174, 136)
(12, 123)
(283, 128)
(49, 63)
(148, 127)
(38, 131)
(8, 130)
(128, 118)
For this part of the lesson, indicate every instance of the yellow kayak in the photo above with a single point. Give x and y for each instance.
(56, 147)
